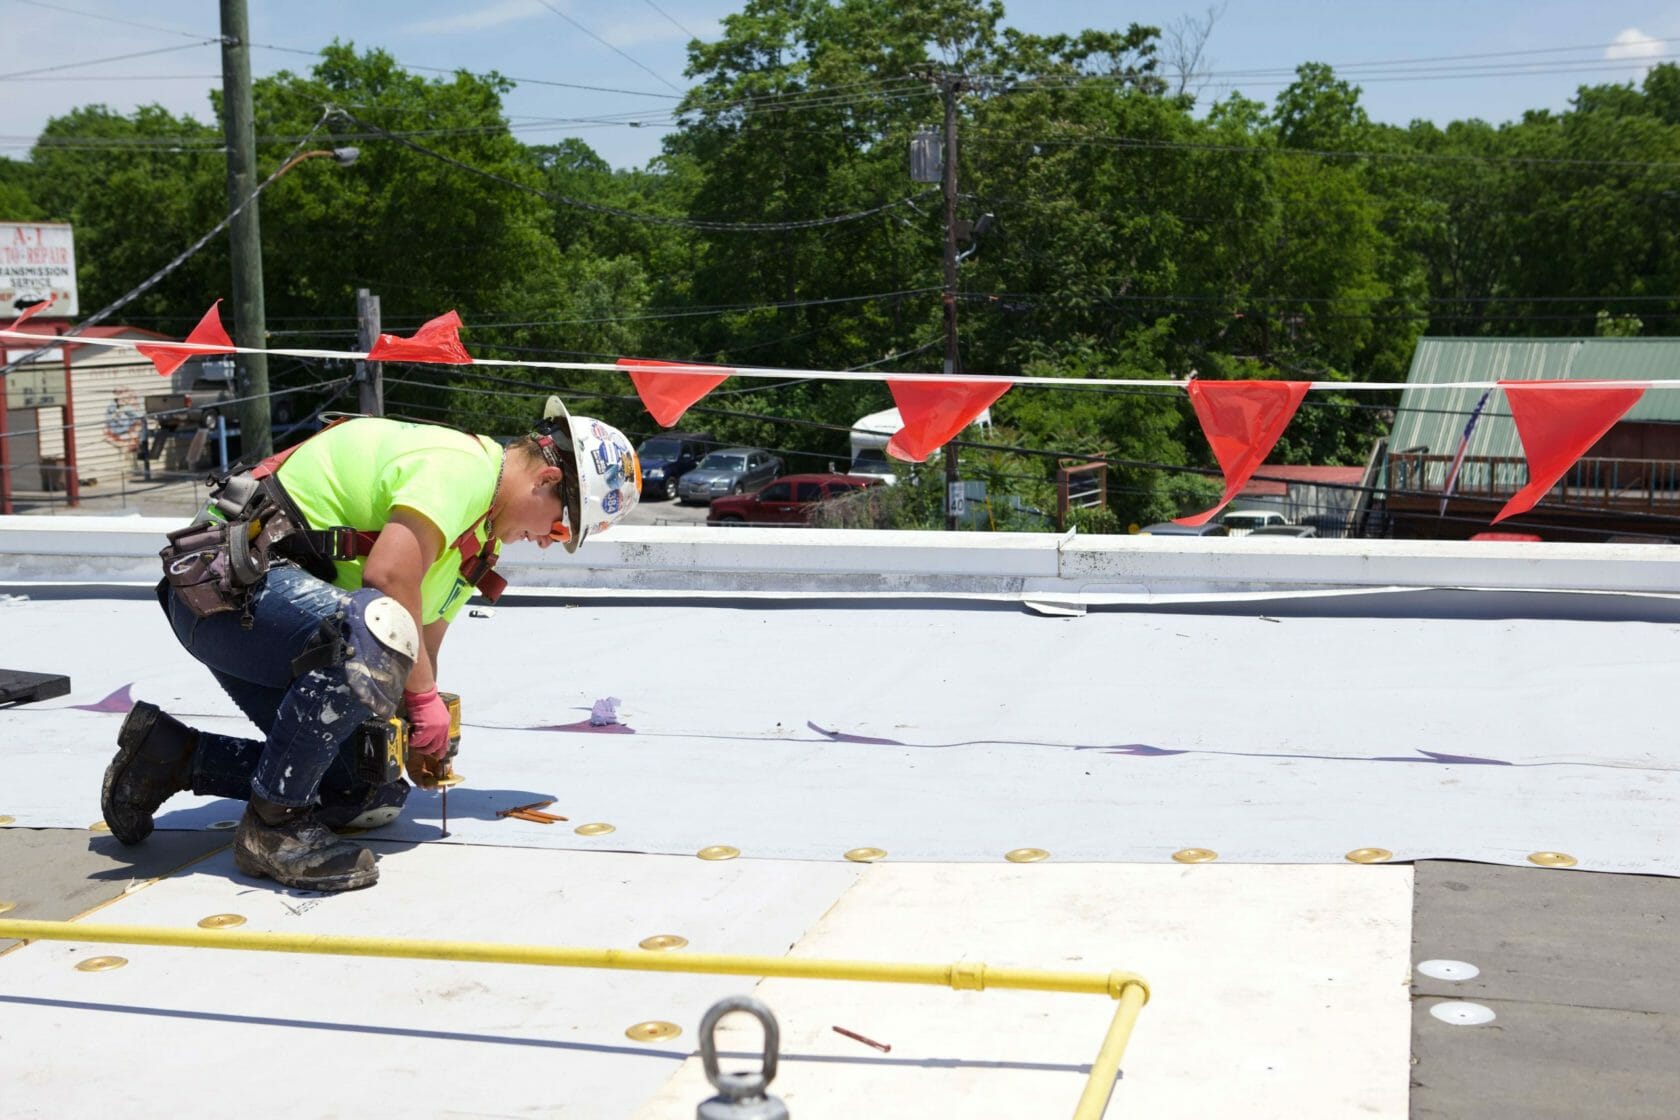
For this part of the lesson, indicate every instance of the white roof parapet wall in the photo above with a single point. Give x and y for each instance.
(123, 550)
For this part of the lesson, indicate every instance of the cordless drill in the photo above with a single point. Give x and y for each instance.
(385, 752)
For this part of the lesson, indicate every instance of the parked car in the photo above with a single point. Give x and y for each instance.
(729, 470)
(786, 501)
(665, 458)
(1241, 522)
(1174, 529)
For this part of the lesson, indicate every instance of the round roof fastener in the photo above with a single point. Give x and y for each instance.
(221, 921)
(1463, 1014)
(101, 964)
(1369, 855)
(1553, 859)
(662, 941)
(718, 852)
(654, 1030)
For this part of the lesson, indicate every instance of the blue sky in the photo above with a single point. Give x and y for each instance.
(1522, 55)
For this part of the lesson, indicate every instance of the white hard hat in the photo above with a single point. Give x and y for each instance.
(608, 475)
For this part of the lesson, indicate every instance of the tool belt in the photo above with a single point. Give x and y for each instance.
(214, 563)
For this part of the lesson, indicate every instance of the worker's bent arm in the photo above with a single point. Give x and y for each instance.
(406, 549)
(433, 640)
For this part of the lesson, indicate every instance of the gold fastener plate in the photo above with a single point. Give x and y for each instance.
(599, 828)
(1369, 855)
(99, 826)
(1553, 859)
(1196, 855)
(101, 964)
(221, 826)
(221, 921)
(7, 907)
(5, 820)
(663, 941)
(718, 851)
(1026, 855)
(655, 1030)
(866, 855)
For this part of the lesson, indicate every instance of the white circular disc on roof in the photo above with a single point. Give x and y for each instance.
(1449, 970)
(1462, 1014)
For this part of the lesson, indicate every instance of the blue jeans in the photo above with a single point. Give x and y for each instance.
(311, 720)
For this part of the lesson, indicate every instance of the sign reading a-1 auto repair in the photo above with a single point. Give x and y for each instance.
(37, 262)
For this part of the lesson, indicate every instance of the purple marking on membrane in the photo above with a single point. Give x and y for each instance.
(119, 702)
(1137, 750)
(1448, 759)
(1144, 750)
(585, 727)
(846, 737)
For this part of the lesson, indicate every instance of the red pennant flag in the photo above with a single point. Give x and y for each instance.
(208, 333)
(439, 341)
(668, 389)
(1557, 423)
(1242, 421)
(935, 411)
(33, 310)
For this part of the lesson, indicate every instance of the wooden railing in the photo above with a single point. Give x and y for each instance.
(1604, 483)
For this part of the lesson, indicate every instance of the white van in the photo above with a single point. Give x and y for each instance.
(1241, 522)
(871, 434)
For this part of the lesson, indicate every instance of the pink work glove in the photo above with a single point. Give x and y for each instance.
(428, 722)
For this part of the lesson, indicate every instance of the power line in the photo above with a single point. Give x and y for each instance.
(670, 19)
(119, 78)
(102, 61)
(632, 215)
(608, 45)
(459, 69)
(1145, 143)
(113, 19)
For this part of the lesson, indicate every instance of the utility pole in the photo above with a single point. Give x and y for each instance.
(245, 234)
(370, 376)
(950, 85)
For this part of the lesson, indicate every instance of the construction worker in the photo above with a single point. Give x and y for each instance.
(317, 590)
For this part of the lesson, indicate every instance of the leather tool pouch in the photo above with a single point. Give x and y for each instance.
(211, 565)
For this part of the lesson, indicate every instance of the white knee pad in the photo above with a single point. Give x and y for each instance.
(392, 627)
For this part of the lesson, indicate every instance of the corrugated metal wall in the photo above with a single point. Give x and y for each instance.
(1434, 419)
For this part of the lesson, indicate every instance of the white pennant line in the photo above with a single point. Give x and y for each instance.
(701, 370)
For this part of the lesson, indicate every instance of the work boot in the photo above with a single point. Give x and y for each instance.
(154, 760)
(292, 846)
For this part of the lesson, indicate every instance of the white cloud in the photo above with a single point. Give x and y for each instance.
(1633, 45)
(478, 19)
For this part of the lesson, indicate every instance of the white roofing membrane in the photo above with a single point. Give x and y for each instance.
(961, 731)
(1229, 711)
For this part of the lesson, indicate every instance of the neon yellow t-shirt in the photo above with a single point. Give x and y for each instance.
(355, 473)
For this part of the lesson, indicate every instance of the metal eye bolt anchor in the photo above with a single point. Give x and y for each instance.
(741, 1095)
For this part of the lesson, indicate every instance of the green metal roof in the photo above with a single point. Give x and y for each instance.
(1434, 418)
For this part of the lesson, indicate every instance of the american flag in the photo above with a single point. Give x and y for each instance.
(1463, 446)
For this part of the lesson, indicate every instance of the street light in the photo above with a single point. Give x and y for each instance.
(344, 157)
